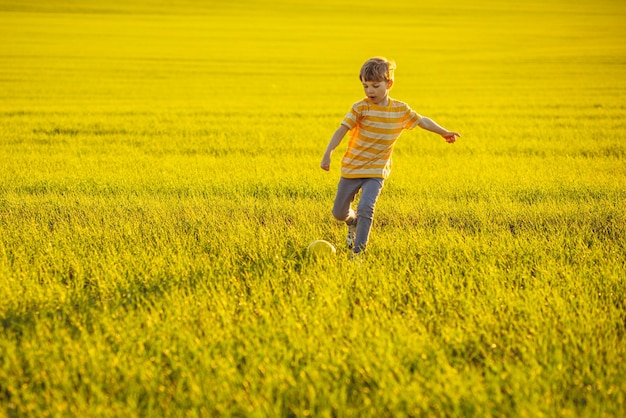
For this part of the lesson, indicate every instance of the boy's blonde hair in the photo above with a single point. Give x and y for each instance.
(377, 69)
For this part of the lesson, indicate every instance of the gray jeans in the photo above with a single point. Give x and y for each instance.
(342, 210)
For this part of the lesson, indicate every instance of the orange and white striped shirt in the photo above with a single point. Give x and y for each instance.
(375, 130)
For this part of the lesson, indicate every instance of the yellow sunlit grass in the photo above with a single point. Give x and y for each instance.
(160, 181)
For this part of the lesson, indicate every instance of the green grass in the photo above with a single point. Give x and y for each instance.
(159, 182)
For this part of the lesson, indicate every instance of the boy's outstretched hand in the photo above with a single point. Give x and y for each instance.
(450, 137)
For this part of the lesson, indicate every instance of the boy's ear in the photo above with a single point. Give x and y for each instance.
(389, 84)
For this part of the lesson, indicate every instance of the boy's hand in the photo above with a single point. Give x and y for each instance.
(325, 164)
(450, 137)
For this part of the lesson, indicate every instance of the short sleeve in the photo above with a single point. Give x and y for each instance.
(413, 119)
(352, 118)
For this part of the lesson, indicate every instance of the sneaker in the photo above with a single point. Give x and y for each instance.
(351, 235)
(356, 258)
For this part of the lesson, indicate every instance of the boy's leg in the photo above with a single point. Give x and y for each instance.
(370, 191)
(346, 191)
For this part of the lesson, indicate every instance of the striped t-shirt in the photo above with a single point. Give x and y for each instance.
(375, 130)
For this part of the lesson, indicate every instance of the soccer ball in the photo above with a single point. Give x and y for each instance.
(321, 248)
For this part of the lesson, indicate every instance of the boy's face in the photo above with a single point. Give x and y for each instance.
(377, 91)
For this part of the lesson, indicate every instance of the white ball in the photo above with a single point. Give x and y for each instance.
(320, 248)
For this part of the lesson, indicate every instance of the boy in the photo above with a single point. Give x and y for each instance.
(376, 123)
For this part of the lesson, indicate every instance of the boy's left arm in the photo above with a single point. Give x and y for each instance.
(432, 126)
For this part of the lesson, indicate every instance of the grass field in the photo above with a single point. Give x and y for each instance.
(159, 181)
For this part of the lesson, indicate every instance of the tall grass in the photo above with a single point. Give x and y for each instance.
(159, 183)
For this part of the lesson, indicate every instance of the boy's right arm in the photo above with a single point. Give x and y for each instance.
(334, 142)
